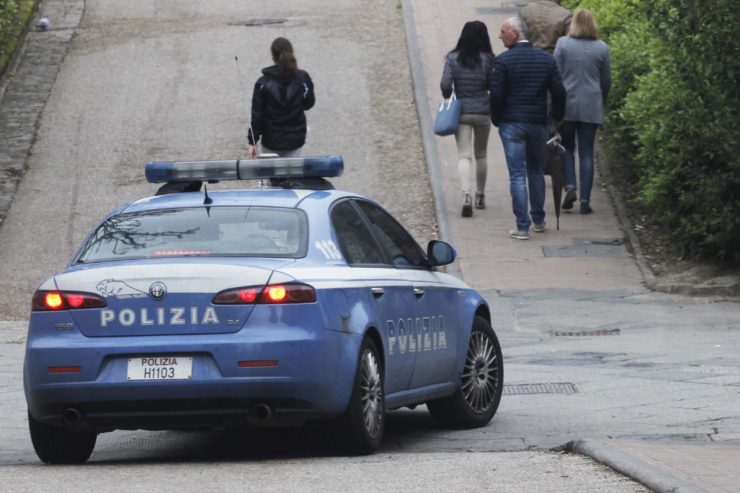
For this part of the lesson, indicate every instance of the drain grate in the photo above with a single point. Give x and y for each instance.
(259, 22)
(539, 388)
(587, 333)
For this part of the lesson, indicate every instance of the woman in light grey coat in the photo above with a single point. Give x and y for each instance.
(467, 71)
(585, 67)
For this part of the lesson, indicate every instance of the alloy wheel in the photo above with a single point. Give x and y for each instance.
(371, 393)
(480, 377)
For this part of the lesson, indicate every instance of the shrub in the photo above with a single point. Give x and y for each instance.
(13, 16)
(683, 114)
(8, 11)
(674, 114)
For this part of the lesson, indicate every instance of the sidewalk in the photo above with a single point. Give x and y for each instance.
(588, 252)
(576, 256)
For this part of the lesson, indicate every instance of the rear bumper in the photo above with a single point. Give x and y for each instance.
(312, 379)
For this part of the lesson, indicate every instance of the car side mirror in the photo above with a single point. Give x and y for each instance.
(440, 253)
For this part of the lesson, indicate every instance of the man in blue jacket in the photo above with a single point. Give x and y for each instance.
(521, 80)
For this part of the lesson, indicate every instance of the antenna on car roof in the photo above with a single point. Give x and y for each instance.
(207, 200)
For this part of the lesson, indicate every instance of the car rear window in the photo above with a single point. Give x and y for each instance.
(243, 231)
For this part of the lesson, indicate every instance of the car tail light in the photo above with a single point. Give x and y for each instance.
(273, 294)
(65, 300)
(264, 363)
(63, 369)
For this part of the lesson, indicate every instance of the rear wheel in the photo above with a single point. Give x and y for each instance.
(479, 392)
(360, 430)
(56, 445)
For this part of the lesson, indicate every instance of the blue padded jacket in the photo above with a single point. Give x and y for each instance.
(522, 77)
(470, 83)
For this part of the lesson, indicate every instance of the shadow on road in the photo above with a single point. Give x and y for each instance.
(404, 428)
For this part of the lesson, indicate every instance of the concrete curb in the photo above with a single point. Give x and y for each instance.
(629, 230)
(434, 166)
(627, 465)
(725, 289)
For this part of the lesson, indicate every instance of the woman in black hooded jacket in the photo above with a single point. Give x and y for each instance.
(279, 101)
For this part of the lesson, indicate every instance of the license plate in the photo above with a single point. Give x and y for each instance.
(160, 368)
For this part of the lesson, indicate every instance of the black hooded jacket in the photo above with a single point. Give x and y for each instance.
(278, 104)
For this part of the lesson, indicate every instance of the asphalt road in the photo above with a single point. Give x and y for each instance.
(172, 80)
(158, 80)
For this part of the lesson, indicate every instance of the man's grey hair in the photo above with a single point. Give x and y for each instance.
(518, 24)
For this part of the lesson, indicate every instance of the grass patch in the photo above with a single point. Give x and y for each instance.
(12, 35)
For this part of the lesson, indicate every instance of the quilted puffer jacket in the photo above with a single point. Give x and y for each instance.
(470, 84)
(521, 81)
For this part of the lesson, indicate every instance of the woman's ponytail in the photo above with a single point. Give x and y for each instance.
(282, 55)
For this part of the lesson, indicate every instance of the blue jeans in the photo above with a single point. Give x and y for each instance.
(586, 133)
(524, 147)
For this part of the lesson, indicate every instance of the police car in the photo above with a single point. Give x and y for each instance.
(275, 305)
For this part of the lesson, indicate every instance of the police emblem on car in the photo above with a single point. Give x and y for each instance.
(158, 290)
(277, 305)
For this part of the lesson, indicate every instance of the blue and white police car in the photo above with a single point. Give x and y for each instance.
(276, 305)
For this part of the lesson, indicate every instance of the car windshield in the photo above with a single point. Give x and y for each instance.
(243, 231)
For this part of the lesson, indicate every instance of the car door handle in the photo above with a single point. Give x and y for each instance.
(377, 292)
(419, 292)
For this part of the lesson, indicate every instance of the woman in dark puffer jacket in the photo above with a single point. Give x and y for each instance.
(467, 71)
(280, 98)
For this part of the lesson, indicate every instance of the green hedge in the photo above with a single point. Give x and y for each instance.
(673, 115)
(13, 16)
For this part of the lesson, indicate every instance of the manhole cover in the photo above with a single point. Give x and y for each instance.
(259, 22)
(539, 388)
(588, 247)
(585, 333)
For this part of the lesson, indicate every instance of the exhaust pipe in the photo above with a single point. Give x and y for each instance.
(72, 416)
(261, 411)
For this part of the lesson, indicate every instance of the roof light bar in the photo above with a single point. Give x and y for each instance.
(245, 169)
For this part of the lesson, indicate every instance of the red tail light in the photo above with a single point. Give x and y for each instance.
(65, 300)
(63, 369)
(272, 294)
(258, 363)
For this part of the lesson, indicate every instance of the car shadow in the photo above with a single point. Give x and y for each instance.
(404, 429)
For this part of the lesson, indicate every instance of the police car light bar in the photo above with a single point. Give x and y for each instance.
(245, 169)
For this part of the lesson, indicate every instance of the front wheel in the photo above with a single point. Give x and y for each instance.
(360, 429)
(55, 445)
(479, 392)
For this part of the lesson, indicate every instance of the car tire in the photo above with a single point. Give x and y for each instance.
(479, 391)
(55, 445)
(359, 431)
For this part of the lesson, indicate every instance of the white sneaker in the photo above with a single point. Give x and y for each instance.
(519, 234)
(540, 228)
